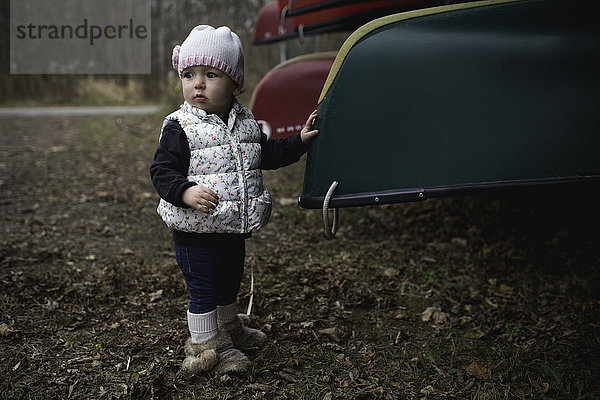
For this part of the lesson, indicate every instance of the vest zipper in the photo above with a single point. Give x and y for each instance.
(241, 173)
(244, 185)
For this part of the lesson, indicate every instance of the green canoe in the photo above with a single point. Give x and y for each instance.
(480, 95)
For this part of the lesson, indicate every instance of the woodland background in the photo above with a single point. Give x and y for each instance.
(172, 20)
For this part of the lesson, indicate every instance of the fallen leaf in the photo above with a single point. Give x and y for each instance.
(506, 289)
(545, 387)
(426, 315)
(479, 371)
(440, 317)
(427, 390)
(287, 376)
(260, 386)
(435, 314)
(400, 313)
(156, 295)
(486, 251)
(5, 330)
(134, 377)
(307, 324)
(491, 303)
(331, 333)
(459, 241)
(470, 334)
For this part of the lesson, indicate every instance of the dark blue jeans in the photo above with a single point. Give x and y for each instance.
(212, 272)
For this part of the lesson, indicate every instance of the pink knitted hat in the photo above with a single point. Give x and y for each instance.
(218, 48)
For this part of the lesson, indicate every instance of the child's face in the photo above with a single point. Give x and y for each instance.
(209, 89)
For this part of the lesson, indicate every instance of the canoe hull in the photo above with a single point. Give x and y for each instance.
(486, 95)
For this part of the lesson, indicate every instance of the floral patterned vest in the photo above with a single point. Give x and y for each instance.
(225, 159)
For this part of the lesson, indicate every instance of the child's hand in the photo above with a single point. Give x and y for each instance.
(307, 133)
(200, 198)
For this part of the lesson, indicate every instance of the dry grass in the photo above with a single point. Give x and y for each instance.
(107, 91)
(52, 90)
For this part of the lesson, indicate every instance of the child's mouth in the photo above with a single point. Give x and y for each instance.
(200, 97)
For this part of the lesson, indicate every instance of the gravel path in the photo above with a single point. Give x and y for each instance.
(76, 111)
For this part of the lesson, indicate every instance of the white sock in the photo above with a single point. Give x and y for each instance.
(202, 326)
(226, 313)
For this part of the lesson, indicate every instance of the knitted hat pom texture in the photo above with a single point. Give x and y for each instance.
(218, 48)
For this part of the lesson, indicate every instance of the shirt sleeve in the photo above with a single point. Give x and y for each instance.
(280, 152)
(169, 168)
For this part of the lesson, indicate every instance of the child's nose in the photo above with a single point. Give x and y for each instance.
(199, 83)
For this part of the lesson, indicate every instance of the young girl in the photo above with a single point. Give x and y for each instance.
(207, 171)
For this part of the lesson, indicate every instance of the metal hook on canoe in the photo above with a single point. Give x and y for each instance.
(301, 33)
(330, 232)
(281, 28)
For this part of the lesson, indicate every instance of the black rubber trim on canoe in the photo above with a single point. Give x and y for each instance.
(579, 185)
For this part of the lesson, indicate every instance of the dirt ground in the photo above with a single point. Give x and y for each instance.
(476, 297)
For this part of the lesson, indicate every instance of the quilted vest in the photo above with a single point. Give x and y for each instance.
(225, 159)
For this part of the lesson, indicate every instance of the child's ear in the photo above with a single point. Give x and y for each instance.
(237, 90)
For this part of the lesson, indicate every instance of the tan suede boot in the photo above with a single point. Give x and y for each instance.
(227, 358)
(242, 337)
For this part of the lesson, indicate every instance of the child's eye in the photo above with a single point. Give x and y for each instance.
(188, 75)
(211, 75)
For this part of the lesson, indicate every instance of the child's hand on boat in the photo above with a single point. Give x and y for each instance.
(307, 133)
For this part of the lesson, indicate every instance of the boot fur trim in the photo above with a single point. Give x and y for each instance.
(202, 362)
(232, 361)
(219, 343)
(217, 354)
(243, 337)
